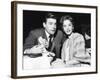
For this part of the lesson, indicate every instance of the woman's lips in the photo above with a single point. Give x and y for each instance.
(68, 30)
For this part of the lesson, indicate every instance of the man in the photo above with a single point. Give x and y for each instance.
(49, 29)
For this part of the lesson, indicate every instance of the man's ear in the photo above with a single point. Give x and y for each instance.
(44, 25)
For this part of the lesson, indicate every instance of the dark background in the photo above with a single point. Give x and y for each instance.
(34, 19)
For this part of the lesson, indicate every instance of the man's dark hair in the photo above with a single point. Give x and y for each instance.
(50, 15)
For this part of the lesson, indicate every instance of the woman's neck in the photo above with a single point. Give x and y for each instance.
(69, 36)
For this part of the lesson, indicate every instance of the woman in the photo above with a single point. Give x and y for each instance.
(73, 50)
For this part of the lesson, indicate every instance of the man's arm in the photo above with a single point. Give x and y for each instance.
(58, 43)
(30, 41)
(30, 45)
(34, 50)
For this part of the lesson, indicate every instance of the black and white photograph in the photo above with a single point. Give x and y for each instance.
(53, 39)
(49, 42)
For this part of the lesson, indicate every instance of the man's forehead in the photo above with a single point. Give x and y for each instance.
(51, 19)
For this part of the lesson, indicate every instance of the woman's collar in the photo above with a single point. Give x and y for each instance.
(71, 35)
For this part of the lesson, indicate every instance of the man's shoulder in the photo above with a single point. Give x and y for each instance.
(59, 35)
(59, 32)
(37, 31)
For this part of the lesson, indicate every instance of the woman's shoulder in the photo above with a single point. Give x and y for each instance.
(78, 36)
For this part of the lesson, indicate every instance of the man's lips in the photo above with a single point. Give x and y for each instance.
(53, 30)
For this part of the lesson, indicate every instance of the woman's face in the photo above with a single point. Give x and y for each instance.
(67, 26)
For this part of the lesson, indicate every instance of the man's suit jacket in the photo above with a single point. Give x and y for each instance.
(32, 40)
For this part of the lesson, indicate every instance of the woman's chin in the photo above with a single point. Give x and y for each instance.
(68, 33)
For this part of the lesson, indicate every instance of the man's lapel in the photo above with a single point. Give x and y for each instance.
(53, 42)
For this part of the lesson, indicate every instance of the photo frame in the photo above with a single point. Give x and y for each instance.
(27, 16)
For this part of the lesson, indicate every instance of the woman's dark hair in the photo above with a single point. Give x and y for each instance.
(50, 15)
(66, 17)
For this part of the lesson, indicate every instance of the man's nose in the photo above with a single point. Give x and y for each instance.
(67, 27)
(54, 26)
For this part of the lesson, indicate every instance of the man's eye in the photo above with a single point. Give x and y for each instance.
(64, 25)
(50, 23)
(69, 25)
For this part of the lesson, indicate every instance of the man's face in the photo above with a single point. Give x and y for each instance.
(67, 27)
(50, 25)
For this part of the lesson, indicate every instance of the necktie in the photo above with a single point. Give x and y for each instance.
(50, 42)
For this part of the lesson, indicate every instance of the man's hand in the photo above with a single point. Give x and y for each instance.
(43, 41)
(35, 49)
(51, 54)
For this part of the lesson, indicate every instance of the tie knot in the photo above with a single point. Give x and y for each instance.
(50, 36)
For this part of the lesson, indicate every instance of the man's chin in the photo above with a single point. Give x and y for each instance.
(52, 33)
